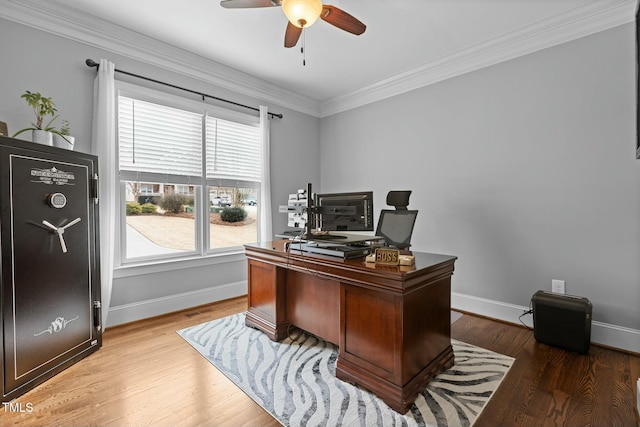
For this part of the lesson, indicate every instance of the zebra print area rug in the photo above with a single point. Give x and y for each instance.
(294, 380)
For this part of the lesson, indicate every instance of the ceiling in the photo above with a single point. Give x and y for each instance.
(404, 38)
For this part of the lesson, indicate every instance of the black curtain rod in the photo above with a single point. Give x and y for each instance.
(92, 63)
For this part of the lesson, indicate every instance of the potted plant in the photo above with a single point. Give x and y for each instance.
(62, 138)
(42, 107)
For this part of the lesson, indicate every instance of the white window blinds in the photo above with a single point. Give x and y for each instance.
(159, 139)
(233, 150)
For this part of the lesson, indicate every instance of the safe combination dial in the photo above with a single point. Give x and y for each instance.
(56, 200)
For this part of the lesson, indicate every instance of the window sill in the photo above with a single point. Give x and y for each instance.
(156, 266)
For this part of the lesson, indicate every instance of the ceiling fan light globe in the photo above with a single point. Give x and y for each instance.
(302, 13)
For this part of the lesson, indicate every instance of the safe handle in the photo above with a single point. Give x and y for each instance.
(60, 231)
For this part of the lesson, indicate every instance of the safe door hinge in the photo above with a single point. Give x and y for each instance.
(94, 188)
(97, 315)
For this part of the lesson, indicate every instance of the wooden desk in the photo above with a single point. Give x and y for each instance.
(391, 324)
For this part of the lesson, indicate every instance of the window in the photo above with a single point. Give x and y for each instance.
(146, 189)
(184, 189)
(189, 176)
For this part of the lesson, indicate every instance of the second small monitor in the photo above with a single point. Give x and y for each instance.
(396, 226)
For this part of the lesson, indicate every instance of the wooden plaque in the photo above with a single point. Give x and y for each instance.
(386, 256)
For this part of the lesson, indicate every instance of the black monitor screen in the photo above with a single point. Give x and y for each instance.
(344, 211)
(396, 226)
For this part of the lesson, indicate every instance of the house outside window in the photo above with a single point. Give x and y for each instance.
(187, 173)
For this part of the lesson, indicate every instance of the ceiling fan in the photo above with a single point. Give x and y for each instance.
(301, 14)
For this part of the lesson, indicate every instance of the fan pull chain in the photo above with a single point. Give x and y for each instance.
(302, 50)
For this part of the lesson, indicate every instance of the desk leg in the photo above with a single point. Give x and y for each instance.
(266, 299)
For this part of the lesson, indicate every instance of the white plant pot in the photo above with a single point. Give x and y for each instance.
(60, 141)
(42, 137)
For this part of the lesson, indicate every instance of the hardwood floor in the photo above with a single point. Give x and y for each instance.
(147, 375)
(547, 386)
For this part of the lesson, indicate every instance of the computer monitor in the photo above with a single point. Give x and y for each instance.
(344, 211)
(396, 226)
(336, 212)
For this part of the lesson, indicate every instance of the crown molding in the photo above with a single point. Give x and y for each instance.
(72, 24)
(590, 19)
(83, 28)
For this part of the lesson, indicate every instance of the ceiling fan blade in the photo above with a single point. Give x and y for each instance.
(244, 4)
(292, 35)
(341, 19)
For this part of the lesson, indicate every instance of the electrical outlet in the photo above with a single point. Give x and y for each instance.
(557, 286)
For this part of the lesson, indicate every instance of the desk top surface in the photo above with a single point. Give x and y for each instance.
(278, 249)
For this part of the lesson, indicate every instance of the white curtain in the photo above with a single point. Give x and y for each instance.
(265, 188)
(104, 146)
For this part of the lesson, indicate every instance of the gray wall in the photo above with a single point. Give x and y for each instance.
(525, 170)
(38, 61)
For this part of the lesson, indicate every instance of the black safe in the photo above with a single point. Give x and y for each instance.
(50, 281)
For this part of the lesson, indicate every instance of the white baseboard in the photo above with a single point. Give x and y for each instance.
(601, 333)
(154, 307)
